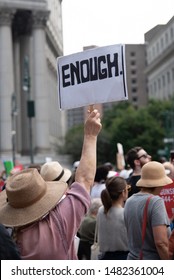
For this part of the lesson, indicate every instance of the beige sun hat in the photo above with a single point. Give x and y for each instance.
(28, 197)
(53, 171)
(153, 175)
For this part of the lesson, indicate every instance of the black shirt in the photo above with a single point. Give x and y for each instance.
(8, 248)
(132, 180)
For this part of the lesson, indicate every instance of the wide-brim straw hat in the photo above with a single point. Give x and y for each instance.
(153, 175)
(53, 171)
(28, 197)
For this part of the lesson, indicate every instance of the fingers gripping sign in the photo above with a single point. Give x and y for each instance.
(94, 122)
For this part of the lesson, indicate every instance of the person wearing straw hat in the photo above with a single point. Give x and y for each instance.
(53, 171)
(157, 230)
(44, 225)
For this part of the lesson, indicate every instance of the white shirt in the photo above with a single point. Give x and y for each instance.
(97, 189)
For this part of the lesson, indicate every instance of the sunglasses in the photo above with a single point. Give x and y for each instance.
(128, 187)
(145, 156)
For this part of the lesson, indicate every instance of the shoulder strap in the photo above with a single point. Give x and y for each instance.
(96, 232)
(144, 225)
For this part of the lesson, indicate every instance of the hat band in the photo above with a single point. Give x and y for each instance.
(24, 204)
(60, 176)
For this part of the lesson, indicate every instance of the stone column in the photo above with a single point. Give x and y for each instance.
(40, 82)
(6, 79)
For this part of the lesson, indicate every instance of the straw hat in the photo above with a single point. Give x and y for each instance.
(153, 175)
(53, 171)
(28, 197)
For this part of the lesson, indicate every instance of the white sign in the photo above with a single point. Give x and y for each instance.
(92, 77)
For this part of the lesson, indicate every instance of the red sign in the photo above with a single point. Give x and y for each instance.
(17, 168)
(167, 193)
(1, 184)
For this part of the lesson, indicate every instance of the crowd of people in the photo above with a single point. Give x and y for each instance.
(45, 209)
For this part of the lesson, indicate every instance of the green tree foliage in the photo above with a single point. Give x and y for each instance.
(126, 125)
(137, 128)
(73, 142)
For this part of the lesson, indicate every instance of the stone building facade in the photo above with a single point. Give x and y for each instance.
(135, 72)
(160, 61)
(30, 42)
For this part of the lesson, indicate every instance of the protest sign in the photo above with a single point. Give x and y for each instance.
(93, 76)
(120, 157)
(17, 168)
(8, 165)
(167, 193)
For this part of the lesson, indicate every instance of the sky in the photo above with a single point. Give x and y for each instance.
(108, 22)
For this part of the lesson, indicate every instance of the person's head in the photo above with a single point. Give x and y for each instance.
(116, 188)
(28, 198)
(153, 177)
(137, 156)
(162, 159)
(109, 165)
(101, 173)
(53, 171)
(35, 165)
(169, 167)
(94, 206)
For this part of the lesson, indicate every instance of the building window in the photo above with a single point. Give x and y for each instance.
(155, 86)
(164, 80)
(134, 81)
(166, 38)
(135, 99)
(162, 43)
(151, 89)
(153, 51)
(149, 55)
(168, 77)
(173, 73)
(134, 90)
(157, 47)
(133, 72)
(132, 53)
(171, 32)
(133, 62)
(159, 83)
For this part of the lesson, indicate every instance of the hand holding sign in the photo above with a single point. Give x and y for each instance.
(91, 108)
(92, 77)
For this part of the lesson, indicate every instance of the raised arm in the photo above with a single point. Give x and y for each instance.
(85, 172)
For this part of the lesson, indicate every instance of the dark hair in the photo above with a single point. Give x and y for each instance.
(35, 165)
(114, 187)
(101, 173)
(8, 248)
(132, 155)
(109, 165)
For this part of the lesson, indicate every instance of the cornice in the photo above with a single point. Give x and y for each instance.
(39, 18)
(6, 16)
